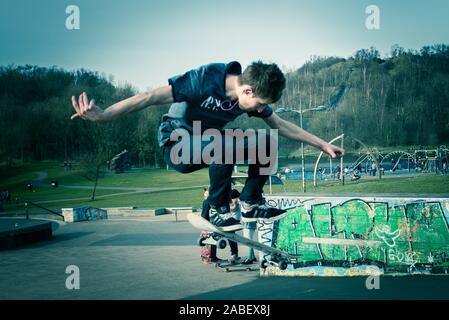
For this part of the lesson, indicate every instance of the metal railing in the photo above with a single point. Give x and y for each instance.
(27, 203)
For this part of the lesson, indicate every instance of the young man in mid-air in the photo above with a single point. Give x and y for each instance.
(216, 94)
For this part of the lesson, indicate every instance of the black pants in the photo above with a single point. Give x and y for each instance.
(220, 174)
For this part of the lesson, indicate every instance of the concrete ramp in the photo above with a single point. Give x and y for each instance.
(16, 232)
(349, 236)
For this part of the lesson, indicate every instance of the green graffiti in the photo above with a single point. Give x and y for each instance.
(398, 235)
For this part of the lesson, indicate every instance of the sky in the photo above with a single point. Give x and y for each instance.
(144, 42)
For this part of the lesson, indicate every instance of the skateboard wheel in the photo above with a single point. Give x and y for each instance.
(221, 243)
(283, 265)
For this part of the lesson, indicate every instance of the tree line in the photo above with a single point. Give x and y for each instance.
(402, 99)
(35, 110)
(399, 100)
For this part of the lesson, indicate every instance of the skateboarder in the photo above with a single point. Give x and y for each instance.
(216, 94)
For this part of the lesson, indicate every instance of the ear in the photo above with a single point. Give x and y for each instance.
(247, 90)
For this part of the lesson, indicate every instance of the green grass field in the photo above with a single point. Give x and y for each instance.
(141, 188)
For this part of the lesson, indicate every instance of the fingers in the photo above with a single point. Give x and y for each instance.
(91, 104)
(81, 103)
(334, 152)
(85, 100)
(75, 105)
(81, 106)
(340, 151)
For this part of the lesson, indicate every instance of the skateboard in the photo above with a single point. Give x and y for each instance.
(229, 267)
(277, 257)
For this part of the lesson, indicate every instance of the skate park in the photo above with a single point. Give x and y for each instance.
(350, 99)
(157, 258)
(137, 253)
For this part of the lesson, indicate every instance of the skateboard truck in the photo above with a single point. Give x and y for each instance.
(281, 264)
(213, 239)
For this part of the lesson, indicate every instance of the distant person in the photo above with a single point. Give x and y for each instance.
(249, 232)
(373, 169)
(8, 196)
(355, 175)
(2, 200)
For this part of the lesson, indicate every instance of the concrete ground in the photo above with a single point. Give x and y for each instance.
(157, 258)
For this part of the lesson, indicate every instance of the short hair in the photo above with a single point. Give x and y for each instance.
(266, 80)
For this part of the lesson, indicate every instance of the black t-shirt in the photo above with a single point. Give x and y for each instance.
(204, 92)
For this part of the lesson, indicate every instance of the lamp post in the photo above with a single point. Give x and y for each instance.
(300, 112)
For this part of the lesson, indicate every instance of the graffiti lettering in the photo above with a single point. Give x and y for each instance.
(388, 232)
(388, 237)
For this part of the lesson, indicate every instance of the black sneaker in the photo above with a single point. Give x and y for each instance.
(217, 260)
(249, 260)
(221, 218)
(260, 211)
(234, 259)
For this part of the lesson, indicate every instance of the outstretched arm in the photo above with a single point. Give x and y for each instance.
(86, 109)
(292, 131)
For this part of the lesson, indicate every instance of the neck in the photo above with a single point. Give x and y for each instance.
(232, 85)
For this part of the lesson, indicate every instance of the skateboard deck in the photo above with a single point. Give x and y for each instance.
(277, 256)
(230, 267)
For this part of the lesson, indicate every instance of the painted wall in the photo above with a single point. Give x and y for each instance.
(341, 236)
(83, 214)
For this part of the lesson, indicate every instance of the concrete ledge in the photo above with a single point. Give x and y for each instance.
(133, 212)
(90, 213)
(181, 210)
(147, 212)
(18, 232)
(83, 214)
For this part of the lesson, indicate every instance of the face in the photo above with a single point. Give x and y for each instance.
(248, 101)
